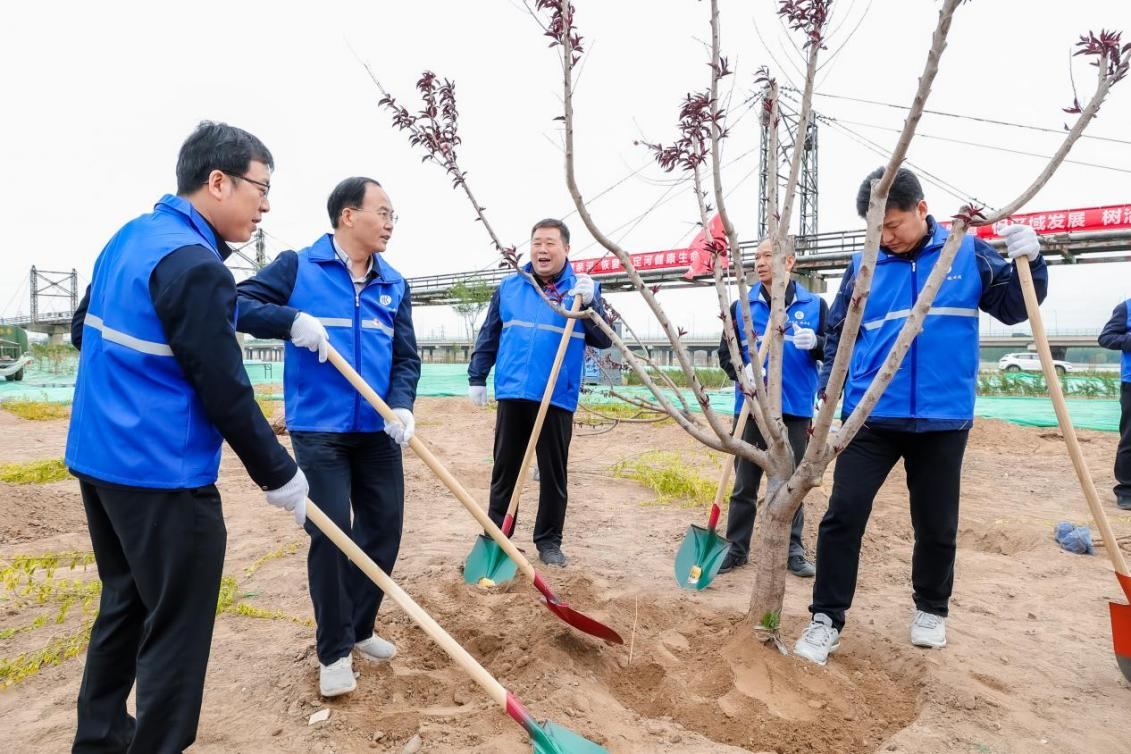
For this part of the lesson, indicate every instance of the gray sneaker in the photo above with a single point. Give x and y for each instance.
(336, 678)
(818, 641)
(1123, 501)
(552, 555)
(799, 565)
(928, 630)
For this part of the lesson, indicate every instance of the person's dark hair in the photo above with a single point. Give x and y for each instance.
(550, 222)
(905, 194)
(217, 146)
(348, 193)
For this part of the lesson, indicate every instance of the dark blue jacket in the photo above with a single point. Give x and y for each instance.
(161, 377)
(372, 330)
(522, 333)
(999, 295)
(1116, 335)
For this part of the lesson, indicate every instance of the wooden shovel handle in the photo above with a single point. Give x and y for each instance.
(738, 430)
(543, 408)
(434, 464)
(461, 656)
(1066, 428)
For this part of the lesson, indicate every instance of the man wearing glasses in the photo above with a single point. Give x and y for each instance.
(160, 385)
(341, 292)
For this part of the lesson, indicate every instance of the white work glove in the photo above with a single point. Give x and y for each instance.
(804, 338)
(292, 496)
(308, 332)
(477, 394)
(403, 429)
(582, 287)
(1021, 241)
(749, 369)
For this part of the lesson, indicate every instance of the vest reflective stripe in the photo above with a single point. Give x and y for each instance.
(531, 333)
(129, 341)
(360, 326)
(1125, 359)
(539, 326)
(799, 370)
(335, 321)
(934, 311)
(939, 373)
(136, 420)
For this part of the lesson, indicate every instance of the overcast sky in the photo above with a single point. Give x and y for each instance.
(98, 97)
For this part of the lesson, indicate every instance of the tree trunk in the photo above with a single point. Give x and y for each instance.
(771, 549)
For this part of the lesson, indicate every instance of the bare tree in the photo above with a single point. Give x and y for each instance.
(702, 127)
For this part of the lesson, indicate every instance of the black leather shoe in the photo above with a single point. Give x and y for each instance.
(731, 561)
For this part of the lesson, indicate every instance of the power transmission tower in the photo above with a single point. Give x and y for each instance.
(807, 181)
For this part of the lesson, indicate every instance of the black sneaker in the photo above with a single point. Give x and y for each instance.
(799, 566)
(1123, 501)
(552, 555)
(732, 560)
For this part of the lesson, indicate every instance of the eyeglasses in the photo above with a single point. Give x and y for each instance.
(386, 215)
(266, 187)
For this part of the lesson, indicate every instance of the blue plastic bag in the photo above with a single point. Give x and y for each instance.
(1077, 539)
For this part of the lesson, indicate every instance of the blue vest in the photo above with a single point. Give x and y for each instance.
(939, 374)
(318, 398)
(799, 370)
(1125, 359)
(136, 420)
(531, 334)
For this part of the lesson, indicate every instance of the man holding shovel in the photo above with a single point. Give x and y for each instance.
(520, 338)
(803, 351)
(1116, 335)
(341, 292)
(161, 383)
(926, 412)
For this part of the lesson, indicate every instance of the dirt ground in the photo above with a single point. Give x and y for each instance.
(1029, 667)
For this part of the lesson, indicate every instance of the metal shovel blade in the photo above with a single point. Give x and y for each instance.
(699, 558)
(551, 738)
(1121, 628)
(580, 621)
(487, 564)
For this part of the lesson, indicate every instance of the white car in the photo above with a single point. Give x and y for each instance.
(1029, 361)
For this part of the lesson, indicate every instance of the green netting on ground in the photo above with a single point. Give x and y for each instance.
(440, 380)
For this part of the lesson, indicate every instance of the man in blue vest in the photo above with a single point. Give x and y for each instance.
(341, 292)
(160, 385)
(1116, 335)
(519, 338)
(801, 356)
(926, 412)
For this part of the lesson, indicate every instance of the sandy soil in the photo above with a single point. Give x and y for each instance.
(1029, 667)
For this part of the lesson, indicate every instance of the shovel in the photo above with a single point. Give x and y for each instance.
(702, 551)
(1120, 614)
(574, 618)
(487, 564)
(546, 737)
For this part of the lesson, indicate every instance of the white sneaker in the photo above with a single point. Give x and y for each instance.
(818, 641)
(375, 648)
(928, 630)
(337, 678)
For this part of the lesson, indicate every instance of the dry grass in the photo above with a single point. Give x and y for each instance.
(671, 477)
(37, 410)
(34, 472)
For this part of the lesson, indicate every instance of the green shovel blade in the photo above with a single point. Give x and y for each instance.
(699, 557)
(488, 561)
(551, 738)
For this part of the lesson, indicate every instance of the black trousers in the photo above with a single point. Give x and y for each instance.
(160, 554)
(1123, 452)
(933, 462)
(357, 479)
(514, 422)
(747, 477)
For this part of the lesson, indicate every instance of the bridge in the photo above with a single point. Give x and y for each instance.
(703, 348)
(819, 257)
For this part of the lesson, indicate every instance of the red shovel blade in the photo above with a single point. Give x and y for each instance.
(1121, 628)
(580, 621)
